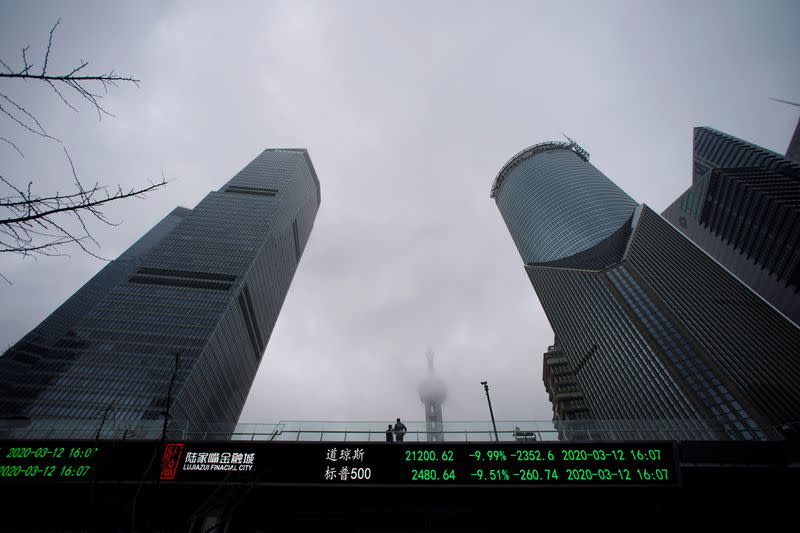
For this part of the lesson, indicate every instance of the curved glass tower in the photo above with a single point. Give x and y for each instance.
(556, 204)
(649, 328)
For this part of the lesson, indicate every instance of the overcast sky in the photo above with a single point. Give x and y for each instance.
(408, 110)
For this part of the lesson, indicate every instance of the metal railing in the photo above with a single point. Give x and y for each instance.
(368, 431)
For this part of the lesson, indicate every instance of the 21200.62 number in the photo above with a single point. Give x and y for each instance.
(429, 455)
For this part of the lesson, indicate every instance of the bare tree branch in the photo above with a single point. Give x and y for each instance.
(35, 214)
(41, 249)
(26, 211)
(109, 78)
(79, 83)
(32, 224)
(76, 83)
(4, 203)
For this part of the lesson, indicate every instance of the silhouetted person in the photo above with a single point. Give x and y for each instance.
(399, 431)
(389, 436)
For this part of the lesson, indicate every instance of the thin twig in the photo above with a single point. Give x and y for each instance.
(14, 145)
(25, 61)
(41, 133)
(7, 67)
(63, 99)
(49, 44)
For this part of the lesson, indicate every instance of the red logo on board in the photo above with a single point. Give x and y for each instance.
(170, 460)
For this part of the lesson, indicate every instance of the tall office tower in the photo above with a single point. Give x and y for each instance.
(181, 317)
(742, 209)
(651, 327)
(433, 393)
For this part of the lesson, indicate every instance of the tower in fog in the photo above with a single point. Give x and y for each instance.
(433, 393)
(189, 307)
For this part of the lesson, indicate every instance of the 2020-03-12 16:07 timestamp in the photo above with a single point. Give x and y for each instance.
(77, 471)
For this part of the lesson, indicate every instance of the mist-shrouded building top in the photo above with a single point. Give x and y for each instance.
(433, 393)
(432, 389)
(555, 204)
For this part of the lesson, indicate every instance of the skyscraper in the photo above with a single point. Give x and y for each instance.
(181, 317)
(648, 325)
(742, 209)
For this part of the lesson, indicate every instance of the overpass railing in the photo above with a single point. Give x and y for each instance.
(373, 431)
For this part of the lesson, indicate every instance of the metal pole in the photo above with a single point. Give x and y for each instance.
(491, 413)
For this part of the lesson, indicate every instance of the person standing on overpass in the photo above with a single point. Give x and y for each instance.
(399, 431)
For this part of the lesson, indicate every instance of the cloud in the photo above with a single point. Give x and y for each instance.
(408, 111)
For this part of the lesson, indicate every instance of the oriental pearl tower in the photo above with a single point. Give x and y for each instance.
(433, 392)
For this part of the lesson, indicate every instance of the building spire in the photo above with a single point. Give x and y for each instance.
(432, 393)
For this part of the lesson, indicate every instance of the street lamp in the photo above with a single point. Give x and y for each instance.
(491, 413)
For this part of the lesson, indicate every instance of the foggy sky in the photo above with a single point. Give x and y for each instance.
(408, 110)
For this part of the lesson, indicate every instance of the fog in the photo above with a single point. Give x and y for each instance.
(408, 110)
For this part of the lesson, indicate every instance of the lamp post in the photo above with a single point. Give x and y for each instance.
(491, 413)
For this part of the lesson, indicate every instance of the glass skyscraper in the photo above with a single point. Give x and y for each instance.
(185, 313)
(648, 326)
(743, 210)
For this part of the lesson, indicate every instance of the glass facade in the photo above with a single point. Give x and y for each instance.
(556, 204)
(688, 364)
(742, 210)
(649, 327)
(182, 317)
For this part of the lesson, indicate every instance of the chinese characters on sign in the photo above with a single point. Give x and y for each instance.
(345, 472)
(219, 461)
